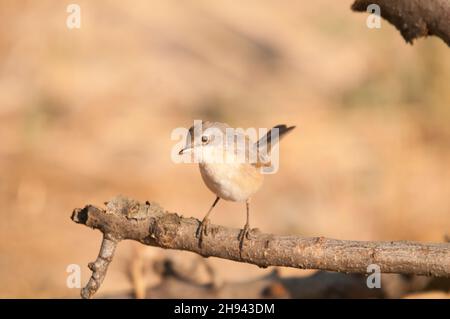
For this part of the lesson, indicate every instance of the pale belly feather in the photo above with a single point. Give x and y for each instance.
(231, 181)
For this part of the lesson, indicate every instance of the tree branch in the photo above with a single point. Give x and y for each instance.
(196, 278)
(100, 266)
(150, 224)
(414, 18)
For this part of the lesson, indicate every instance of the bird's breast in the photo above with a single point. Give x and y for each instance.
(231, 181)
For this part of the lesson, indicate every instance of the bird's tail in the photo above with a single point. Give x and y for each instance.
(273, 136)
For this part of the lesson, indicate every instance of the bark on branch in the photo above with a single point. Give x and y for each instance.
(150, 224)
(414, 18)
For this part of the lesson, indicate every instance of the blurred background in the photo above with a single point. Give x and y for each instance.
(86, 114)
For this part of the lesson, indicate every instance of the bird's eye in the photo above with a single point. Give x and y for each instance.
(204, 139)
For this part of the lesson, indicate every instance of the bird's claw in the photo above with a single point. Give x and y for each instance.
(243, 235)
(202, 230)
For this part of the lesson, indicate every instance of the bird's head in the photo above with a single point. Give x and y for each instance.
(204, 134)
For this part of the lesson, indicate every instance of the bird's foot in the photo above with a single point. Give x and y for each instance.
(202, 230)
(244, 235)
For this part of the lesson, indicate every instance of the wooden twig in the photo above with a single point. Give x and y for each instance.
(100, 266)
(414, 18)
(150, 224)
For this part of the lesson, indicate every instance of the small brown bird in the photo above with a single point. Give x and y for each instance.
(230, 164)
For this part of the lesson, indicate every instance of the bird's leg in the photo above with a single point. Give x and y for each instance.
(245, 232)
(202, 229)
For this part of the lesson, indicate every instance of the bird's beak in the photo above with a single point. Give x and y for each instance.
(184, 150)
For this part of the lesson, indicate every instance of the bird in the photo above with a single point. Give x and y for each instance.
(231, 165)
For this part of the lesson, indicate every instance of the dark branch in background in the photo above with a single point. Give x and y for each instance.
(181, 279)
(150, 224)
(414, 18)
